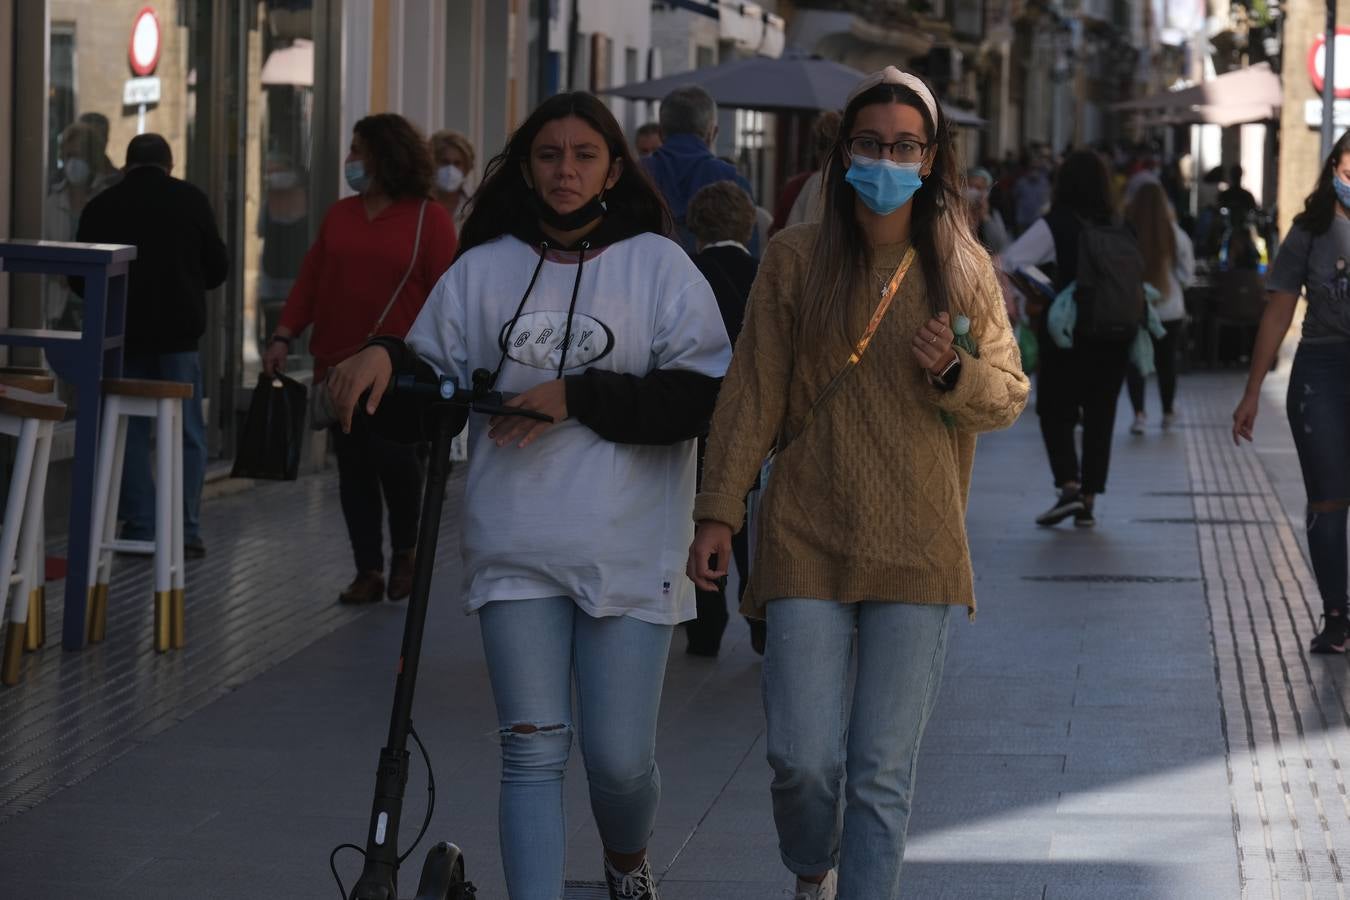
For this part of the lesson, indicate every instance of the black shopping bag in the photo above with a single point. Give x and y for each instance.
(269, 444)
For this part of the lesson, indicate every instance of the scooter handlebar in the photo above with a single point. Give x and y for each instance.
(478, 399)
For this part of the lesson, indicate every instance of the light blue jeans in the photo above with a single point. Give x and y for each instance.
(535, 650)
(137, 507)
(817, 736)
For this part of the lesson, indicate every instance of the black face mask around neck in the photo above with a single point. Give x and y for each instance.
(577, 218)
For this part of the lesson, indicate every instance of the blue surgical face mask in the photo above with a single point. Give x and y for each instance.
(357, 179)
(1342, 190)
(883, 185)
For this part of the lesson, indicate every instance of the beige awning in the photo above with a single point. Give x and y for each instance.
(1253, 94)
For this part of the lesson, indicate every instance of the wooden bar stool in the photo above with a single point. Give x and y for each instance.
(34, 568)
(163, 402)
(30, 417)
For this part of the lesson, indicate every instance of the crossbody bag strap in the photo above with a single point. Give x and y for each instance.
(892, 288)
(412, 264)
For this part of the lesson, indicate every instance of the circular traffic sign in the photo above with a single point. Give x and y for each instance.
(145, 44)
(1317, 62)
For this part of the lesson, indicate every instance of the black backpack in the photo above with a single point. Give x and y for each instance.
(1110, 292)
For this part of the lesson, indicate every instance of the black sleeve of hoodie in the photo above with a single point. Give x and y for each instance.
(665, 406)
(401, 418)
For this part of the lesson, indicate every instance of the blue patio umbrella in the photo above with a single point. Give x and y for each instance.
(789, 83)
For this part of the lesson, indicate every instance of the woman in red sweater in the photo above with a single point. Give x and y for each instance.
(376, 258)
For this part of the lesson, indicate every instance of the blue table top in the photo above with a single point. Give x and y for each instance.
(65, 252)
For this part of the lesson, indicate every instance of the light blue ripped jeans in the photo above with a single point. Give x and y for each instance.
(823, 744)
(535, 650)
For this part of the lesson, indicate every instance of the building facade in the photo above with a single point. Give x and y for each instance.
(244, 92)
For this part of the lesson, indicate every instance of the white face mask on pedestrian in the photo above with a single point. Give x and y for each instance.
(450, 178)
(77, 171)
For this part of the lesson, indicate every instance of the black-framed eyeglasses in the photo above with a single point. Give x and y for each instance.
(905, 151)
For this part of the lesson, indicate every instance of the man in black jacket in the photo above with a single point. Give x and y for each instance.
(179, 257)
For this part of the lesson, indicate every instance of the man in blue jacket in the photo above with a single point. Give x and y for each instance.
(685, 162)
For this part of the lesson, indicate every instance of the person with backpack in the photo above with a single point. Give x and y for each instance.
(1313, 259)
(874, 407)
(1093, 252)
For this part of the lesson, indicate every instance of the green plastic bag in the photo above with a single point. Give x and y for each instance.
(1029, 346)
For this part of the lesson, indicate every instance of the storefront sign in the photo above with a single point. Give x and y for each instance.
(138, 91)
(1317, 62)
(145, 44)
(1312, 113)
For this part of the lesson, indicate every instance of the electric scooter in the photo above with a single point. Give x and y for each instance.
(445, 409)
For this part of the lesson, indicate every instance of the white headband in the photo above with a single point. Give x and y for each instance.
(892, 75)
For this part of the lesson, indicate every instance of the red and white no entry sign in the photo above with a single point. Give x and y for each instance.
(145, 44)
(1317, 62)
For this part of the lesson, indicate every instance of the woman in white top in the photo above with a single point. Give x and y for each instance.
(1169, 265)
(574, 534)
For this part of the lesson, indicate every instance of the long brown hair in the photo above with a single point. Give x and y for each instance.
(841, 259)
(1319, 209)
(1150, 215)
(403, 166)
(504, 199)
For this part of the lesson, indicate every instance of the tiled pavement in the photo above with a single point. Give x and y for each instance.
(1133, 715)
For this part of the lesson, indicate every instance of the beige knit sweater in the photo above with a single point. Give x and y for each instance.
(869, 501)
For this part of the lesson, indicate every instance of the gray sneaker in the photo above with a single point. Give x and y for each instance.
(826, 890)
(635, 885)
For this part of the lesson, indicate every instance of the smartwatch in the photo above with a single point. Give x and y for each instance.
(946, 379)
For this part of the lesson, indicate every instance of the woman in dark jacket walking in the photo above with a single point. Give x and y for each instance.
(1079, 384)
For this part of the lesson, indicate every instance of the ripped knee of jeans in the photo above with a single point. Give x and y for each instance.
(524, 729)
(534, 753)
(1322, 506)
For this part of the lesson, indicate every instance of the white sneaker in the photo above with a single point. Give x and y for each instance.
(1169, 419)
(823, 891)
(1138, 426)
(635, 885)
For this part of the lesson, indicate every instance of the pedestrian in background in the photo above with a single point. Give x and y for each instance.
(800, 200)
(570, 293)
(84, 173)
(1078, 384)
(684, 162)
(377, 256)
(179, 257)
(1313, 261)
(862, 550)
(722, 219)
(1169, 265)
(986, 222)
(647, 140)
(453, 155)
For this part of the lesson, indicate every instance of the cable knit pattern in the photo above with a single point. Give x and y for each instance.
(869, 502)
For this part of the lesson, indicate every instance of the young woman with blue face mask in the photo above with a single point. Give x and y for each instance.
(1313, 261)
(861, 548)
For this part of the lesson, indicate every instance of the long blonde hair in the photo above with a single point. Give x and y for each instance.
(1150, 215)
(951, 256)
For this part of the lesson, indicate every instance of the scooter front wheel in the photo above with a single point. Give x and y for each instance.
(443, 875)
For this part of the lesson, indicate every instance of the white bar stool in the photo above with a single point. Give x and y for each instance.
(29, 417)
(33, 569)
(163, 402)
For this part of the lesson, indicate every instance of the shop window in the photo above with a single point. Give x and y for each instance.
(62, 96)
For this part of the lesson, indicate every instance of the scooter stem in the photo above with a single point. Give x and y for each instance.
(379, 878)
